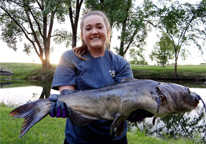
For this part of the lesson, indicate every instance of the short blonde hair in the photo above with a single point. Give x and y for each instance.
(79, 51)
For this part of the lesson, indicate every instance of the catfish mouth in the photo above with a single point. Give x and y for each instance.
(139, 115)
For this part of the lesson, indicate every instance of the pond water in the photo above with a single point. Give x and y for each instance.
(191, 124)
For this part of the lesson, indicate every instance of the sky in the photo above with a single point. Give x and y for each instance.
(9, 55)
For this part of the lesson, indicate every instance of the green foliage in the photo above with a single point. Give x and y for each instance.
(183, 23)
(163, 51)
(32, 21)
(62, 36)
(137, 57)
(127, 19)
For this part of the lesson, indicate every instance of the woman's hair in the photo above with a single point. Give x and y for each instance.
(79, 51)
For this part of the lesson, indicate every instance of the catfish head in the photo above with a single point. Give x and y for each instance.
(175, 99)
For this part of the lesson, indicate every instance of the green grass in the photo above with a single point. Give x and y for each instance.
(51, 131)
(26, 70)
(184, 72)
(20, 70)
(47, 131)
(140, 138)
(180, 68)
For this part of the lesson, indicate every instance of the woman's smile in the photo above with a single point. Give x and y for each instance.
(94, 34)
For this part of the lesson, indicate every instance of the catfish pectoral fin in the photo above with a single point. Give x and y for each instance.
(120, 127)
(32, 112)
(78, 118)
(117, 126)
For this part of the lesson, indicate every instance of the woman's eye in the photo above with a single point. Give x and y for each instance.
(88, 29)
(99, 27)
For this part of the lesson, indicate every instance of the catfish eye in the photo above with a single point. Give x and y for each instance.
(187, 89)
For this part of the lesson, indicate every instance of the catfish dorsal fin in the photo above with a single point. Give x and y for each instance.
(117, 126)
(128, 79)
(66, 92)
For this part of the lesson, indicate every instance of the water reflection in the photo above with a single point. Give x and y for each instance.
(2, 84)
(18, 95)
(45, 92)
(191, 125)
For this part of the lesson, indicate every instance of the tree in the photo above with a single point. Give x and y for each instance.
(163, 50)
(127, 19)
(133, 29)
(33, 20)
(137, 57)
(183, 23)
(74, 18)
(74, 13)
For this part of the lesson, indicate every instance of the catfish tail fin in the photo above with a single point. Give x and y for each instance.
(32, 112)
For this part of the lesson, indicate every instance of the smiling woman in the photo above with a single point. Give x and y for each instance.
(95, 34)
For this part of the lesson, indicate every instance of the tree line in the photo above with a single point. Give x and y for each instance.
(178, 25)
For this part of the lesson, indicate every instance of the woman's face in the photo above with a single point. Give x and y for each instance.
(94, 32)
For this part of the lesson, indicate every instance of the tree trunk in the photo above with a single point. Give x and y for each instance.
(74, 23)
(121, 48)
(74, 38)
(46, 62)
(163, 65)
(176, 58)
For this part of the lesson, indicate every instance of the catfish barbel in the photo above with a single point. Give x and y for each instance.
(130, 99)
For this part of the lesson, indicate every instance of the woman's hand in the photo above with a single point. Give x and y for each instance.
(58, 108)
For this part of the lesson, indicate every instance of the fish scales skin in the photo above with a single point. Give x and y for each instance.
(114, 102)
(106, 102)
(94, 104)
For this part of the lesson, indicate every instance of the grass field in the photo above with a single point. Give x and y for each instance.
(19, 67)
(180, 68)
(51, 131)
(25, 70)
(184, 72)
(188, 72)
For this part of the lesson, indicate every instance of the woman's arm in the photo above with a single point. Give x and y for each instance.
(67, 87)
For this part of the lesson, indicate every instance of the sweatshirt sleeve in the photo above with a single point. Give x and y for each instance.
(65, 73)
(123, 69)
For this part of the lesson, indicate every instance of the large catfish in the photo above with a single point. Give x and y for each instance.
(131, 100)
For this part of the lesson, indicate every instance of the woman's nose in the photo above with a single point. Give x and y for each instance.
(94, 31)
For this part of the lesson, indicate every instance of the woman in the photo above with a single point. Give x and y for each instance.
(87, 67)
